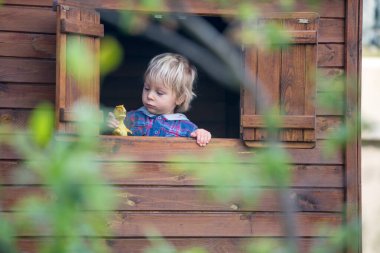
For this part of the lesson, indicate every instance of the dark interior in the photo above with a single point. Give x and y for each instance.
(216, 108)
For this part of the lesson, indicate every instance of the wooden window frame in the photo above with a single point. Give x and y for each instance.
(64, 114)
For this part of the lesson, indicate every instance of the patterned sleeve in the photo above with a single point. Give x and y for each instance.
(187, 128)
(129, 120)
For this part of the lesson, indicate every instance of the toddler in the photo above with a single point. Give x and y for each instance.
(168, 91)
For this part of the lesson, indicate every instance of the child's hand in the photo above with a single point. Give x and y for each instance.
(203, 136)
(112, 122)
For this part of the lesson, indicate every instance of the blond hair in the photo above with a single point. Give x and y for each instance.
(175, 72)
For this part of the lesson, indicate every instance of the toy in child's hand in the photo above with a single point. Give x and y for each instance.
(120, 114)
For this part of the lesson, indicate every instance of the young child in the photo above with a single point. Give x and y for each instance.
(168, 91)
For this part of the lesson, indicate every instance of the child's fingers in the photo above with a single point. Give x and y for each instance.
(112, 121)
(112, 124)
(203, 138)
(111, 115)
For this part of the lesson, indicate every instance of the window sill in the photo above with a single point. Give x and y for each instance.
(142, 148)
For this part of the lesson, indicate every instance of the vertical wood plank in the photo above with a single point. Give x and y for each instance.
(310, 83)
(248, 101)
(72, 87)
(60, 69)
(268, 93)
(352, 157)
(293, 82)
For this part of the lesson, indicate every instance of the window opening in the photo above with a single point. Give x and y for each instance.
(216, 107)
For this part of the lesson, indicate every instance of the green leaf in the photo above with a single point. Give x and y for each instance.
(7, 237)
(111, 55)
(194, 250)
(41, 125)
(152, 4)
(81, 62)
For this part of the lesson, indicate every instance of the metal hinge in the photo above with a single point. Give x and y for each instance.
(65, 8)
(303, 21)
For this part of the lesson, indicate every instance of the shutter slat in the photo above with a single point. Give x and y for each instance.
(248, 102)
(96, 30)
(303, 37)
(69, 116)
(298, 122)
(269, 85)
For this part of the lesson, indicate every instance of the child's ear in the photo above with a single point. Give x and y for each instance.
(180, 100)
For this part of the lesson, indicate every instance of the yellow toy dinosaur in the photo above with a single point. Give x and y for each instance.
(120, 114)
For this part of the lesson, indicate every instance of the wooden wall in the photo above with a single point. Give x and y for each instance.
(170, 201)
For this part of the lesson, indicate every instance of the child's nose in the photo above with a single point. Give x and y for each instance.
(150, 95)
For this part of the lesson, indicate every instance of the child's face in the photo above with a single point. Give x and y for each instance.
(158, 99)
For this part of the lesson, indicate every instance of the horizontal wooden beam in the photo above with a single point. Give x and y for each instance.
(82, 28)
(196, 199)
(303, 37)
(140, 245)
(66, 115)
(170, 174)
(205, 224)
(285, 121)
(324, 7)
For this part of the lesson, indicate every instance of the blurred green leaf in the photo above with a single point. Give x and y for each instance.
(194, 250)
(81, 62)
(7, 236)
(133, 23)
(158, 244)
(152, 4)
(345, 237)
(247, 11)
(265, 246)
(41, 125)
(287, 5)
(111, 55)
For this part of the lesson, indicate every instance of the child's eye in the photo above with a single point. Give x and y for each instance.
(160, 93)
(146, 88)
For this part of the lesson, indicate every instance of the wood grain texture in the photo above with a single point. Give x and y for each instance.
(331, 30)
(286, 81)
(353, 34)
(330, 55)
(25, 95)
(212, 245)
(195, 199)
(27, 70)
(17, 118)
(47, 3)
(116, 148)
(41, 20)
(85, 28)
(76, 84)
(217, 224)
(333, 8)
(27, 45)
(27, 19)
(293, 81)
(208, 224)
(161, 149)
(169, 174)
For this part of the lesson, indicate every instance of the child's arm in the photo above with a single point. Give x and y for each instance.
(203, 136)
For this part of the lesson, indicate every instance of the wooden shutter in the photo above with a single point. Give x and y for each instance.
(82, 27)
(283, 78)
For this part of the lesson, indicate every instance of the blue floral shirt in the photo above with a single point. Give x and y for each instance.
(143, 123)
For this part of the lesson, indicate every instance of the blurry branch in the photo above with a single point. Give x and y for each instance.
(73, 186)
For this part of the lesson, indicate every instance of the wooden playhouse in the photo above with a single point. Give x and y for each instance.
(326, 189)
